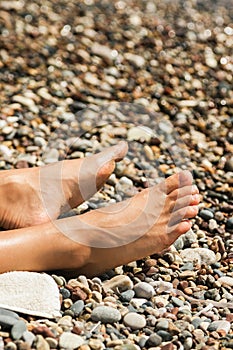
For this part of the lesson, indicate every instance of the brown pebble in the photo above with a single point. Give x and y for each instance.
(43, 330)
(22, 164)
(229, 317)
(78, 293)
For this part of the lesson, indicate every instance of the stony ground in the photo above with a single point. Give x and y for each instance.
(100, 71)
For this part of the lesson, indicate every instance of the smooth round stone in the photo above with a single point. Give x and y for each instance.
(179, 243)
(162, 324)
(134, 320)
(201, 255)
(140, 132)
(18, 329)
(219, 325)
(177, 302)
(65, 293)
(41, 343)
(127, 347)
(166, 336)
(7, 321)
(196, 322)
(206, 214)
(77, 307)
(127, 295)
(144, 290)
(229, 224)
(5, 312)
(29, 337)
(70, 341)
(226, 280)
(154, 340)
(119, 282)
(105, 314)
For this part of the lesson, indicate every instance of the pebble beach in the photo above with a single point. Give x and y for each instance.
(79, 76)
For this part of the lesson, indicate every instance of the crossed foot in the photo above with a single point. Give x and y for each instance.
(98, 240)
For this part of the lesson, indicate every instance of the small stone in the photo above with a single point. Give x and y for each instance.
(166, 336)
(177, 302)
(199, 255)
(70, 341)
(120, 282)
(10, 346)
(134, 320)
(136, 60)
(144, 290)
(229, 164)
(179, 243)
(229, 224)
(18, 329)
(105, 314)
(140, 133)
(96, 344)
(206, 214)
(154, 340)
(226, 280)
(127, 295)
(41, 343)
(77, 307)
(7, 321)
(162, 324)
(65, 293)
(5, 312)
(29, 337)
(53, 343)
(219, 325)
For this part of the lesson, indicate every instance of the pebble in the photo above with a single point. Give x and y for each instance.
(219, 325)
(206, 214)
(18, 329)
(120, 282)
(105, 314)
(77, 307)
(154, 340)
(134, 320)
(127, 295)
(226, 281)
(229, 224)
(140, 133)
(70, 341)
(144, 290)
(199, 255)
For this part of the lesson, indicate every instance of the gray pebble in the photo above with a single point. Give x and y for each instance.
(229, 224)
(105, 314)
(144, 290)
(127, 295)
(5, 312)
(166, 336)
(162, 324)
(177, 302)
(29, 337)
(18, 329)
(206, 214)
(77, 307)
(154, 340)
(217, 325)
(134, 320)
(7, 321)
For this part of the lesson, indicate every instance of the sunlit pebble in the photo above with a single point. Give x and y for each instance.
(223, 60)
(63, 83)
(223, 102)
(65, 30)
(207, 33)
(228, 30)
(171, 34)
(5, 33)
(191, 25)
(88, 2)
(120, 5)
(51, 69)
(114, 53)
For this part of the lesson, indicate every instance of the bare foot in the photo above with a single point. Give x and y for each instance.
(33, 196)
(102, 239)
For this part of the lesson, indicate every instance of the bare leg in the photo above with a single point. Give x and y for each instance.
(163, 212)
(34, 196)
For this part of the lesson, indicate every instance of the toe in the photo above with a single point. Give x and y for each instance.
(185, 201)
(177, 181)
(183, 213)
